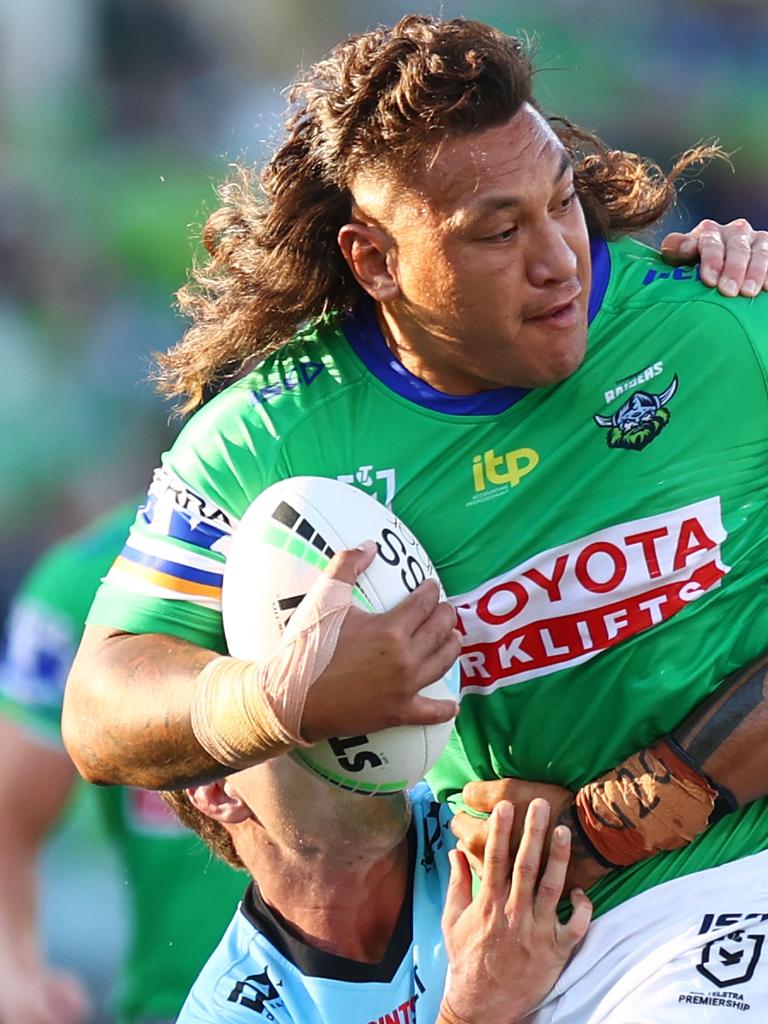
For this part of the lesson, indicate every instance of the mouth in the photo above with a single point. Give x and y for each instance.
(562, 314)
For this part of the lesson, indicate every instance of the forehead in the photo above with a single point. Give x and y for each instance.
(460, 173)
(511, 160)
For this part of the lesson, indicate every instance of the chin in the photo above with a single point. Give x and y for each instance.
(565, 363)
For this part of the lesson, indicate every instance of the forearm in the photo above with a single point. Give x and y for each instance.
(126, 716)
(35, 782)
(663, 797)
(19, 935)
(727, 736)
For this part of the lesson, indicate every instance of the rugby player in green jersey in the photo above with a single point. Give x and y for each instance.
(576, 432)
(169, 934)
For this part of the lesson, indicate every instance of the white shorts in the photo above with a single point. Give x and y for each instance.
(693, 949)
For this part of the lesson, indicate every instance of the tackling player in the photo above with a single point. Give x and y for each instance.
(343, 919)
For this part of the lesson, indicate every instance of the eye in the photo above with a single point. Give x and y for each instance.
(567, 203)
(502, 236)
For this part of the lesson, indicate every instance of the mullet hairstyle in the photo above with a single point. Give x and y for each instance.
(386, 99)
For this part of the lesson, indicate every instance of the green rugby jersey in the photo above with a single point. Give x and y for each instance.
(603, 540)
(181, 898)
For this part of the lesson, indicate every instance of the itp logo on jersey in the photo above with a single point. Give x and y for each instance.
(493, 475)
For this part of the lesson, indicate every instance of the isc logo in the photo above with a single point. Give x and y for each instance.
(509, 468)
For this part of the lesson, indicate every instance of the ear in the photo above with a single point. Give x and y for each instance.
(220, 801)
(371, 255)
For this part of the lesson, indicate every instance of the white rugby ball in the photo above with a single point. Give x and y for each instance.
(283, 542)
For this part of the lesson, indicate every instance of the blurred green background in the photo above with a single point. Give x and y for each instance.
(116, 119)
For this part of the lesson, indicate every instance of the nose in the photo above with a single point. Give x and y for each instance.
(552, 257)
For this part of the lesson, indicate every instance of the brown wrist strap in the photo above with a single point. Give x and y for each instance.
(654, 800)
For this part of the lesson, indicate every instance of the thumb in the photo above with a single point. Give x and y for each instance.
(677, 247)
(483, 795)
(574, 930)
(459, 893)
(347, 565)
(429, 711)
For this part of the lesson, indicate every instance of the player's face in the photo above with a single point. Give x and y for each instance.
(492, 262)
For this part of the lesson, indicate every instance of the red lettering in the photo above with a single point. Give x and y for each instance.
(692, 539)
(551, 586)
(495, 618)
(404, 1008)
(647, 541)
(390, 1018)
(460, 619)
(544, 645)
(619, 567)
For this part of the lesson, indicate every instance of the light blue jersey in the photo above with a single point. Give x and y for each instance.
(262, 972)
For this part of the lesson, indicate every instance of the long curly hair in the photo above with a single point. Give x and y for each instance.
(385, 99)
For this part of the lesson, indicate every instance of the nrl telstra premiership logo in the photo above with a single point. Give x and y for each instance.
(639, 420)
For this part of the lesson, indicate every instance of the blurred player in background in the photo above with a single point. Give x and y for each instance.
(180, 899)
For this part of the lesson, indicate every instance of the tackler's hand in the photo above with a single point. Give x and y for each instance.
(733, 257)
(506, 947)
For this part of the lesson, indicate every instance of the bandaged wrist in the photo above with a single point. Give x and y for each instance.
(655, 800)
(244, 712)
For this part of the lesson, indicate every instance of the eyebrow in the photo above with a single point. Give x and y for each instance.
(482, 207)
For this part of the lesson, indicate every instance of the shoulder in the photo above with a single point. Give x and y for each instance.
(243, 431)
(645, 295)
(237, 980)
(46, 617)
(313, 367)
(640, 278)
(66, 576)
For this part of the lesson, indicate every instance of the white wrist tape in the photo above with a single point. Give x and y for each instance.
(244, 712)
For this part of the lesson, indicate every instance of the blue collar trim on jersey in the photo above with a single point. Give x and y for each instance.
(364, 335)
(601, 275)
(367, 342)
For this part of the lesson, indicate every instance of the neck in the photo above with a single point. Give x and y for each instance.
(413, 344)
(344, 901)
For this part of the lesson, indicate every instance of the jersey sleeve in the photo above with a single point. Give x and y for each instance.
(195, 1012)
(240, 983)
(168, 576)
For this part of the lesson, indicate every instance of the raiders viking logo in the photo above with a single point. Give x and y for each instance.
(730, 960)
(639, 420)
